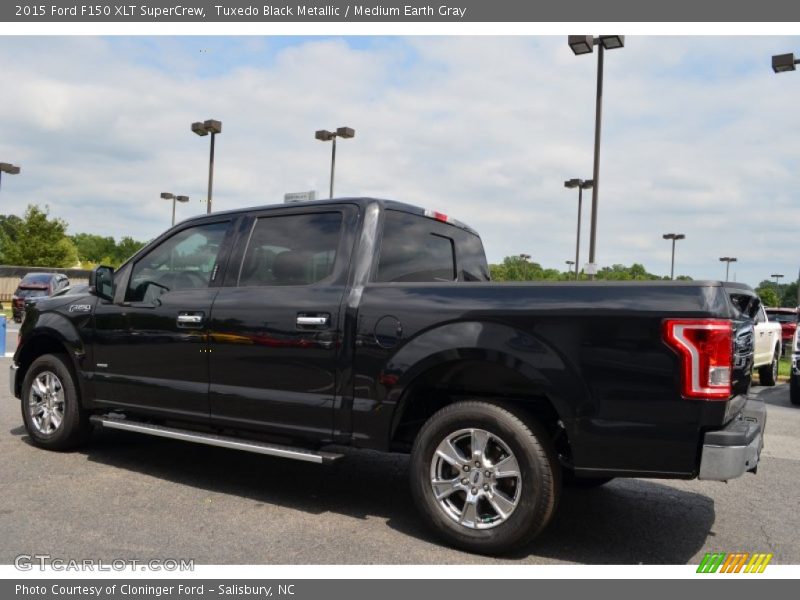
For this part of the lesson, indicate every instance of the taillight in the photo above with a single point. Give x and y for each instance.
(705, 347)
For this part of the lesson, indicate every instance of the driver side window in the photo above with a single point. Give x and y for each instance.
(184, 261)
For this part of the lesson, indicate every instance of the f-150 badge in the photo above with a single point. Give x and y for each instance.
(80, 308)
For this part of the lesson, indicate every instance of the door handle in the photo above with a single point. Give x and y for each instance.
(313, 320)
(189, 319)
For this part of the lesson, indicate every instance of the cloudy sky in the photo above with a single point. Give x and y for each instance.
(699, 137)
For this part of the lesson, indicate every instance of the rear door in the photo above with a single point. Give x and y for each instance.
(275, 326)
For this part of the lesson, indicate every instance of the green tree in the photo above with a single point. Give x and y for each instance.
(94, 248)
(126, 248)
(37, 241)
(768, 295)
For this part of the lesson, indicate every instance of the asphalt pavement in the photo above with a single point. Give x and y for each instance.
(128, 496)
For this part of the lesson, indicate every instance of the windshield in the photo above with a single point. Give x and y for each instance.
(782, 317)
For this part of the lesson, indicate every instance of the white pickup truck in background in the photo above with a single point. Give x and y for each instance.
(767, 347)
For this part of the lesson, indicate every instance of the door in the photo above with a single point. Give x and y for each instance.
(276, 326)
(151, 349)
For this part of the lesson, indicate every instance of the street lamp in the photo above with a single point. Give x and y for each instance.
(777, 276)
(781, 63)
(9, 169)
(213, 127)
(569, 264)
(168, 196)
(525, 257)
(584, 44)
(581, 185)
(728, 260)
(323, 135)
(674, 237)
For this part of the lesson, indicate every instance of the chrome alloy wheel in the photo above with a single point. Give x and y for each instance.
(46, 403)
(475, 478)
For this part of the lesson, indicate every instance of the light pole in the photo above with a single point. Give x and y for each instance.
(728, 260)
(213, 127)
(584, 44)
(9, 169)
(581, 185)
(525, 257)
(777, 276)
(569, 264)
(674, 237)
(173, 197)
(324, 135)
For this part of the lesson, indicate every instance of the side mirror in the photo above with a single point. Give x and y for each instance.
(101, 282)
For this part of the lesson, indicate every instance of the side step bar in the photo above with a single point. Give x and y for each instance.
(211, 439)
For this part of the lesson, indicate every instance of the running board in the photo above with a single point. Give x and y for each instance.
(211, 439)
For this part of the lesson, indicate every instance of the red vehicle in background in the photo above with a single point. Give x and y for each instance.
(787, 317)
(34, 286)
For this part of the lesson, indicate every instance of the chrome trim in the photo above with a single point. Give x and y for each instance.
(312, 320)
(190, 319)
(13, 369)
(221, 441)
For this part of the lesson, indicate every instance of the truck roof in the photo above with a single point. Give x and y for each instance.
(358, 201)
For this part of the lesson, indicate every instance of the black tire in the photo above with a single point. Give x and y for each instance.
(768, 374)
(571, 480)
(794, 390)
(73, 427)
(539, 478)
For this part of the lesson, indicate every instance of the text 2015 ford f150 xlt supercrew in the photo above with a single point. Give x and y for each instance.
(292, 329)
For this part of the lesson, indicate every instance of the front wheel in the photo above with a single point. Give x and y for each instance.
(768, 374)
(794, 390)
(486, 480)
(50, 405)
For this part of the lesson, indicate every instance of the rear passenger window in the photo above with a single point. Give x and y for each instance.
(291, 250)
(412, 251)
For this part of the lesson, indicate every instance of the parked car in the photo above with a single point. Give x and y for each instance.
(787, 317)
(794, 375)
(289, 330)
(34, 286)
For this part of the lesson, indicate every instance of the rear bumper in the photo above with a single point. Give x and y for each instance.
(736, 449)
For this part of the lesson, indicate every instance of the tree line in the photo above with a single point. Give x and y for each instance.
(38, 240)
(517, 268)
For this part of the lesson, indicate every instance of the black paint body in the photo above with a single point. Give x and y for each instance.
(593, 350)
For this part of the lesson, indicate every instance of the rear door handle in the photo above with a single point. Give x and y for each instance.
(187, 319)
(320, 320)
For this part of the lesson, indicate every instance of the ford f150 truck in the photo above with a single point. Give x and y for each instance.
(291, 330)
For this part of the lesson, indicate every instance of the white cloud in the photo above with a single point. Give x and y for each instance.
(698, 137)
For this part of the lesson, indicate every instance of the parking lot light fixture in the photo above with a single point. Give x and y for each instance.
(674, 237)
(728, 260)
(781, 63)
(581, 44)
(323, 135)
(777, 276)
(569, 264)
(202, 129)
(581, 185)
(9, 169)
(174, 198)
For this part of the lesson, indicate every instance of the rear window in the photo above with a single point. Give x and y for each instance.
(782, 317)
(30, 293)
(415, 249)
(36, 279)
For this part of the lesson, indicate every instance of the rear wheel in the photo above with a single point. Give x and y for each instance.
(486, 480)
(768, 374)
(50, 405)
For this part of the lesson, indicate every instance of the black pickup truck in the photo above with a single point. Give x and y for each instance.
(291, 330)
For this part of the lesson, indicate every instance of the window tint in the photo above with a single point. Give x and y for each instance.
(291, 249)
(183, 261)
(411, 251)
